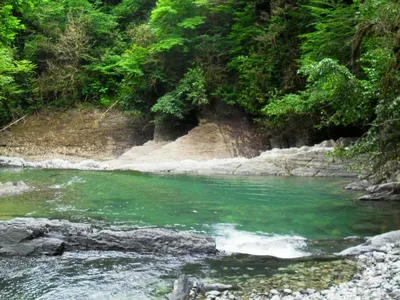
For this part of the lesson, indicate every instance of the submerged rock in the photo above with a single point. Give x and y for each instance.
(33, 237)
(13, 188)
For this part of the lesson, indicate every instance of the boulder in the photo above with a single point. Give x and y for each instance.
(383, 192)
(33, 237)
(358, 186)
(379, 197)
(182, 288)
(391, 187)
(13, 188)
(374, 243)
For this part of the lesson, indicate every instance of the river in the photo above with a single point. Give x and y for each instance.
(277, 216)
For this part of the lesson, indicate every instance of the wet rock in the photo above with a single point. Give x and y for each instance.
(380, 197)
(213, 294)
(357, 186)
(25, 236)
(373, 243)
(181, 290)
(383, 192)
(206, 287)
(391, 187)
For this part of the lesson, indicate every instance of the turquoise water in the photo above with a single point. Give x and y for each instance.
(307, 207)
(257, 215)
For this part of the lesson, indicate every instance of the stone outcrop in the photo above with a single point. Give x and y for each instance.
(383, 192)
(304, 161)
(358, 186)
(373, 243)
(74, 134)
(13, 188)
(34, 237)
(53, 164)
(181, 290)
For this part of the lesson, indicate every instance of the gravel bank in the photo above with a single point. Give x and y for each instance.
(378, 278)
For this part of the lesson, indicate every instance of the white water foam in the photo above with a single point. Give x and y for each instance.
(231, 240)
(73, 180)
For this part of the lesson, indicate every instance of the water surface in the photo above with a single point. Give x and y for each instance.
(258, 215)
(306, 207)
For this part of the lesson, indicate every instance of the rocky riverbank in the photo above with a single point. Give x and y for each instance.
(378, 278)
(369, 271)
(304, 161)
(387, 191)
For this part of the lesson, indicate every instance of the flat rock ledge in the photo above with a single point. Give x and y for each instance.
(304, 161)
(36, 237)
(382, 192)
(13, 188)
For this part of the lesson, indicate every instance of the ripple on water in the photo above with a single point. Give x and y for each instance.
(88, 275)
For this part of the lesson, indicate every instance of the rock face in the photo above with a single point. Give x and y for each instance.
(74, 135)
(374, 243)
(383, 192)
(210, 140)
(181, 290)
(358, 186)
(189, 154)
(304, 161)
(13, 188)
(53, 164)
(33, 237)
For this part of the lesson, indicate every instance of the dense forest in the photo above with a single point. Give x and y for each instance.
(319, 64)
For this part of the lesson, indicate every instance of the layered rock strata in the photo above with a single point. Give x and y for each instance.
(34, 237)
(304, 161)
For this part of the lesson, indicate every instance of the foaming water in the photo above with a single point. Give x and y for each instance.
(74, 179)
(231, 240)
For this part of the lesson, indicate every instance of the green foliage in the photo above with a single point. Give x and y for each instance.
(8, 24)
(11, 84)
(333, 25)
(330, 62)
(188, 95)
(332, 93)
